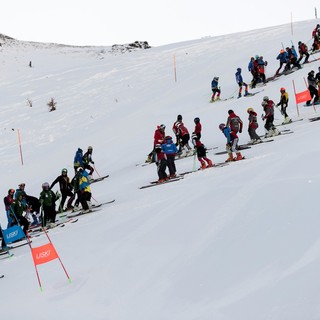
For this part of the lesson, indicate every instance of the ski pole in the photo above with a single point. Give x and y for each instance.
(95, 169)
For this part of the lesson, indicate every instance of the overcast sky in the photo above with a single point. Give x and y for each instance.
(108, 22)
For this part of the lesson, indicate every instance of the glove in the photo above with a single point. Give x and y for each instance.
(240, 130)
(92, 162)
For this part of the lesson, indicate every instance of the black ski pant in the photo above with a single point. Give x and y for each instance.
(171, 164)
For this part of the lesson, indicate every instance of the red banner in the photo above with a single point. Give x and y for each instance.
(303, 96)
(44, 254)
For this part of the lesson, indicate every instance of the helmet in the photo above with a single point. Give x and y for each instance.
(196, 120)
(257, 56)
(64, 170)
(222, 126)
(90, 148)
(45, 186)
(239, 69)
(80, 169)
(250, 110)
(162, 127)
(179, 117)
(282, 89)
(11, 191)
(265, 98)
(22, 185)
(230, 111)
(168, 138)
(216, 78)
(299, 43)
(281, 51)
(311, 71)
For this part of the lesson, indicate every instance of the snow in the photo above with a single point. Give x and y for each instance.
(236, 242)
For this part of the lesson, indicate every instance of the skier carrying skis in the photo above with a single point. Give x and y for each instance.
(241, 83)
(215, 89)
(201, 152)
(170, 150)
(234, 122)
(65, 189)
(284, 100)
(253, 126)
(232, 143)
(268, 107)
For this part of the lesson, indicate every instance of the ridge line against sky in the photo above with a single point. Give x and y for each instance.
(117, 22)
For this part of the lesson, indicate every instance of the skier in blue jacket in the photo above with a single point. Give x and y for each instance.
(283, 58)
(241, 83)
(170, 150)
(215, 89)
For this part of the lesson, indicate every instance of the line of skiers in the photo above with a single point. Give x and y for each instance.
(27, 210)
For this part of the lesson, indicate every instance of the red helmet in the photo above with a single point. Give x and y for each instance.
(282, 89)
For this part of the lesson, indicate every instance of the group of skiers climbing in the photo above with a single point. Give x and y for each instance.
(27, 210)
(288, 57)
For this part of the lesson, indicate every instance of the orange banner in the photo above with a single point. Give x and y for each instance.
(303, 96)
(44, 254)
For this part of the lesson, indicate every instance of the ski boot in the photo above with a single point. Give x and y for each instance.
(238, 157)
(209, 163)
(230, 157)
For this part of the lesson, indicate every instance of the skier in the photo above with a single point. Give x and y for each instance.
(303, 51)
(318, 80)
(268, 107)
(86, 160)
(31, 203)
(170, 150)
(253, 126)
(17, 208)
(8, 200)
(158, 138)
(292, 60)
(312, 87)
(65, 189)
(47, 201)
(201, 152)
(198, 127)
(161, 162)
(234, 122)
(241, 83)
(77, 162)
(284, 100)
(215, 89)
(283, 58)
(185, 137)
(175, 129)
(232, 143)
(84, 190)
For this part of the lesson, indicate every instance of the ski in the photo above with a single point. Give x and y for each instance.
(252, 93)
(291, 121)
(99, 179)
(2, 276)
(18, 246)
(159, 184)
(93, 208)
(314, 119)
(217, 100)
(257, 143)
(217, 165)
(241, 147)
